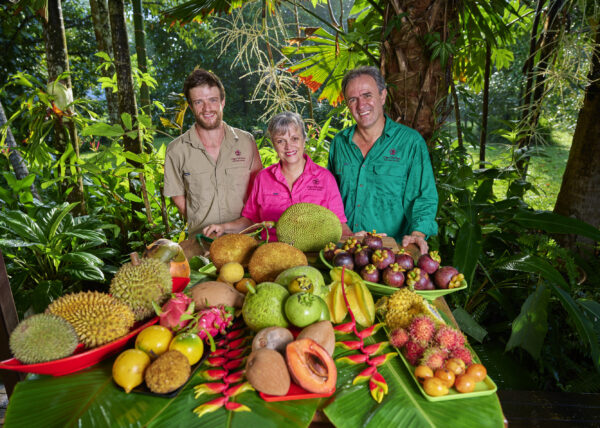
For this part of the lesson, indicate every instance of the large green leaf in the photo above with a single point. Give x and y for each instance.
(468, 249)
(533, 264)
(555, 223)
(23, 226)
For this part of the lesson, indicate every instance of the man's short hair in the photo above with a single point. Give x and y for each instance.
(281, 122)
(361, 71)
(200, 77)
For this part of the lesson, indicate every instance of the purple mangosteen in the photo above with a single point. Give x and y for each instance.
(329, 251)
(419, 280)
(393, 276)
(404, 260)
(448, 277)
(370, 273)
(344, 258)
(362, 256)
(382, 258)
(350, 245)
(372, 240)
(429, 262)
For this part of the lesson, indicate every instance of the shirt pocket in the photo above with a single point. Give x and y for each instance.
(389, 181)
(199, 189)
(237, 179)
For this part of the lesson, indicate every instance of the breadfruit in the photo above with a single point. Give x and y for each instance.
(308, 227)
(270, 259)
(97, 317)
(169, 371)
(141, 282)
(41, 338)
(232, 248)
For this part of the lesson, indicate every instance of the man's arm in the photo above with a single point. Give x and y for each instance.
(234, 226)
(179, 202)
(417, 238)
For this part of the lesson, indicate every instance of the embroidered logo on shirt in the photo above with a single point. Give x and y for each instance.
(239, 157)
(315, 186)
(237, 153)
(393, 152)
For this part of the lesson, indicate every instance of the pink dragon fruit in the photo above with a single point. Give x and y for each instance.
(177, 312)
(214, 320)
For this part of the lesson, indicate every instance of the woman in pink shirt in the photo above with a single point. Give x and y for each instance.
(295, 178)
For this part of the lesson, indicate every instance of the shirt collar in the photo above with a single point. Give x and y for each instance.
(309, 168)
(387, 129)
(194, 139)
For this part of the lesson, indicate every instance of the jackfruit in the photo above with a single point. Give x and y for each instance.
(232, 248)
(41, 338)
(308, 227)
(97, 317)
(270, 259)
(140, 283)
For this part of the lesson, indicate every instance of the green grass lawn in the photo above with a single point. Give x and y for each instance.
(545, 169)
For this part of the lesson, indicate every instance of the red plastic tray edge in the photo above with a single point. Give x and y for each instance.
(295, 392)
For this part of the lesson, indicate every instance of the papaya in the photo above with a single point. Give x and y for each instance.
(311, 366)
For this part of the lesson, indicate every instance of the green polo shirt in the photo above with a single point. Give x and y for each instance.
(392, 189)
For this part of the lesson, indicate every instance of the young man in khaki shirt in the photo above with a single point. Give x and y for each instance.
(209, 169)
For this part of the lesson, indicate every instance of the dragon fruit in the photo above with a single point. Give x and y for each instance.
(214, 320)
(177, 312)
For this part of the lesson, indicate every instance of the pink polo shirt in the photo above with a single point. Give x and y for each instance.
(270, 195)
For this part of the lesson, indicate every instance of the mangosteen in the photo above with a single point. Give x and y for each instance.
(350, 245)
(372, 240)
(382, 259)
(344, 258)
(362, 256)
(329, 251)
(419, 280)
(370, 273)
(429, 262)
(448, 277)
(393, 276)
(404, 260)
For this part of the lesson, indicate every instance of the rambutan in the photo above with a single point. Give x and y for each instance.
(399, 337)
(434, 358)
(413, 351)
(449, 338)
(422, 329)
(463, 354)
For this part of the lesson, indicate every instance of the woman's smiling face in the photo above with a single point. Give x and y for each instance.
(289, 145)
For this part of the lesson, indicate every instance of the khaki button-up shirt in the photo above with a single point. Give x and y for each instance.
(214, 192)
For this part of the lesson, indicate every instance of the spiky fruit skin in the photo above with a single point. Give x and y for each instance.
(462, 353)
(140, 285)
(399, 337)
(429, 262)
(41, 338)
(393, 276)
(413, 352)
(434, 358)
(401, 307)
(98, 318)
(370, 273)
(422, 329)
(448, 338)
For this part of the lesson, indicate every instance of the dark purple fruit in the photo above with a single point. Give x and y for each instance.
(362, 256)
(448, 277)
(429, 262)
(329, 251)
(350, 245)
(419, 280)
(382, 259)
(344, 259)
(372, 240)
(425, 284)
(370, 273)
(404, 260)
(393, 276)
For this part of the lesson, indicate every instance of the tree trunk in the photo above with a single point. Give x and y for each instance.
(14, 156)
(140, 48)
(486, 102)
(416, 84)
(456, 114)
(579, 196)
(57, 59)
(101, 23)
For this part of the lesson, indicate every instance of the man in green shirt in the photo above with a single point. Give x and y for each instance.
(382, 167)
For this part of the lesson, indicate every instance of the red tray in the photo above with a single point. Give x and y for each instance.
(179, 283)
(294, 393)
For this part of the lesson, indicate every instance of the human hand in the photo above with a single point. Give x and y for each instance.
(418, 239)
(364, 233)
(217, 229)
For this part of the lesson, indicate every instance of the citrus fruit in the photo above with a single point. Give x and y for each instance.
(154, 340)
(128, 368)
(190, 345)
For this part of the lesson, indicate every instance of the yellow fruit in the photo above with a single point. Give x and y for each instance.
(128, 368)
(190, 345)
(231, 272)
(154, 340)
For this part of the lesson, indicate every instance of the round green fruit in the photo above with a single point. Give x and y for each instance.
(190, 345)
(302, 309)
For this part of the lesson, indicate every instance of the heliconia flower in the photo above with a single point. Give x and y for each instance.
(238, 389)
(213, 374)
(234, 334)
(234, 364)
(369, 331)
(378, 387)
(235, 353)
(222, 344)
(375, 348)
(177, 312)
(364, 375)
(216, 361)
(344, 328)
(218, 352)
(350, 344)
(236, 407)
(382, 359)
(353, 359)
(210, 406)
(234, 344)
(209, 388)
(234, 377)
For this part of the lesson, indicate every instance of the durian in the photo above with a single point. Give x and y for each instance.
(41, 338)
(97, 317)
(141, 282)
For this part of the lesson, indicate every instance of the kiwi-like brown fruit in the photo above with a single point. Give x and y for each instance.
(232, 248)
(322, 333)
(215, 293)
(167, 373)
(267, 372)
(275, 338)
(270, 259)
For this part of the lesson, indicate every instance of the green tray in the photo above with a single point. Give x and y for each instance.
(386, 290)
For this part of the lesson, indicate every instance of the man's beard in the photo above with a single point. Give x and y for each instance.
(209, 126)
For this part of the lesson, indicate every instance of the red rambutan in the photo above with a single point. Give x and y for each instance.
(449, 338)
(399, 337)
(421, 329)
(434, 358)
(462, 353)
(413, 351)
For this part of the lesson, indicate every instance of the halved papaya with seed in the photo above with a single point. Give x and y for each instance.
(311, 366)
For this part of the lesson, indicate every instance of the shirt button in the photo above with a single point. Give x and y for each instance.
(355, 224)
(358, 205)
(360, 185)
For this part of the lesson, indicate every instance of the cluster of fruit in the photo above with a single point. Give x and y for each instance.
(454, 374)
(277, 359)
(379, 264)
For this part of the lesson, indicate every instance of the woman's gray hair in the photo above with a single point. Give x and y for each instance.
(281, 122)
(361, 71)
